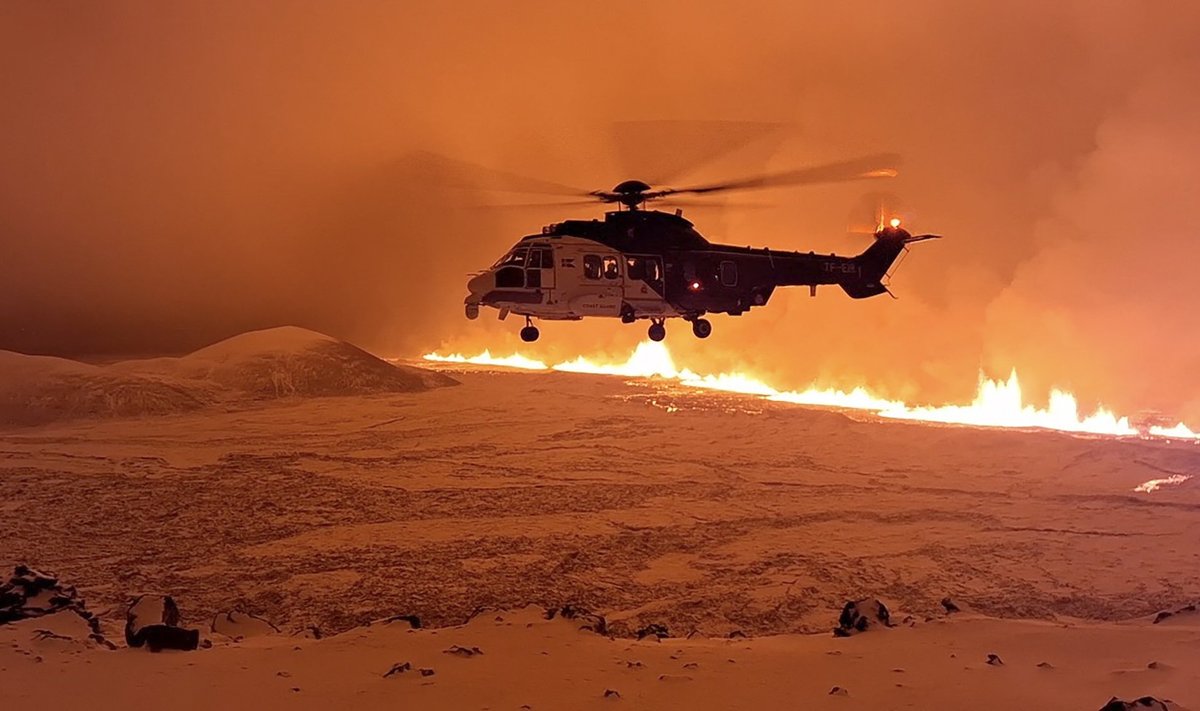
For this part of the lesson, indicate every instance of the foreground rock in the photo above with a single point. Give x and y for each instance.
(1146, 703)
(1187, 613)
(861, 615)
(31, 593)
(236, 624)
(588, 621)
(153, 621)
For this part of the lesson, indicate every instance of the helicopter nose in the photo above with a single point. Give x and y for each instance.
(481, 284)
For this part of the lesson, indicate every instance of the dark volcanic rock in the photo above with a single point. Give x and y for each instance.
(31, 593)
(589, 621)
(950, 606)
(860, 615)
(152, 621)
(413, 621)
(1186, 610)
(1145, 703)
(653, 630)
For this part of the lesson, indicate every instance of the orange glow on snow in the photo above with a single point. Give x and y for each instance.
(997, 403)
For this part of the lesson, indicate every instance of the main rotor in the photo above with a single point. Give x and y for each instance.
(633, 194)
(662, 151)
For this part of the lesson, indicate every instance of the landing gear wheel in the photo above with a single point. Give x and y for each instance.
(472, 311)
(529, 334)
(657, 332)
(701, 328)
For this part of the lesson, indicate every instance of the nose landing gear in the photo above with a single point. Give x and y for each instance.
(657, 330)
(530, 333)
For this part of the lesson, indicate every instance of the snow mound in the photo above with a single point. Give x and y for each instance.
(273, 363)
(288, 361)
(39, 389)
(284, 339)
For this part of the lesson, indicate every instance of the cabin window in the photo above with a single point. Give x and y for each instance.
(653, 272)
(729, 273)
(645, 269)
(635, 268)
(537, 259)
(591, 266)
(611, 268)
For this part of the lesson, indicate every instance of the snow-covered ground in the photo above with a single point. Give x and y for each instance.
(705, 512)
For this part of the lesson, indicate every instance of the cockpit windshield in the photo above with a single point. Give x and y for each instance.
(515, 257)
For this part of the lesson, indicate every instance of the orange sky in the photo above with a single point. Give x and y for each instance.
(178, 172)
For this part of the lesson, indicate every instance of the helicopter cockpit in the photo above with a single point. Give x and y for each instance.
(522, 267)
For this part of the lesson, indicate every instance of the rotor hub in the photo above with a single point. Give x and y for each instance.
(630, 193)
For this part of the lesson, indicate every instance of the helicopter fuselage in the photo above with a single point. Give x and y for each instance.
(654, 265)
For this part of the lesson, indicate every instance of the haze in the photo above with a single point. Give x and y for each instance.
(175, 173)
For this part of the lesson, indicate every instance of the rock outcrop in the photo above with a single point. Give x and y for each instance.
(1145, 703)
(1187, 612)
(152, 621)
(237, 624)
(861, 615)
(32, 593)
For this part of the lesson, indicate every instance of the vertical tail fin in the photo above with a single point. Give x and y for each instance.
(874, 263)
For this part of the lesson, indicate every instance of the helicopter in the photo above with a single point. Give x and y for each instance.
(645, 264)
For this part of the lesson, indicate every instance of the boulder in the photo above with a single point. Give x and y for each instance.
(238, 625)
(31, 593)
(152, 621)
(653, 630)
(413, 621)
(1185, 614)
(588, 620)
(861, 615)
(1145, 703)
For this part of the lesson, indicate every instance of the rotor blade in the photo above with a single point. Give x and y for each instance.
(449, 172)
(713, 204)
(660, 152)
(528, 205)
(882, 165)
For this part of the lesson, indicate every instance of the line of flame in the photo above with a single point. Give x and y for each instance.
(998, 403)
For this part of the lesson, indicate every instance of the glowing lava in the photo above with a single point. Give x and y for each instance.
(998, 403)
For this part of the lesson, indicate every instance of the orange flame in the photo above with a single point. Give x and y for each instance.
(998, 403)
